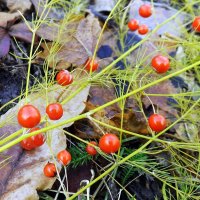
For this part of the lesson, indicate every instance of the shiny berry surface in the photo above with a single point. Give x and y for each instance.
(109, 143)
(91, 65)
(28, 116)
(50, 170)
(145, 10)
(64, 157)
(54, 111)
(143, 29)
(64, 78)
(133, 24)
(160, 63)
(90, 149)
(157, 122)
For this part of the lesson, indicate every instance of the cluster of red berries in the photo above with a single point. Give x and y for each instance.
(108, 143)
(29, 116)
(144, 11)
(64, 157)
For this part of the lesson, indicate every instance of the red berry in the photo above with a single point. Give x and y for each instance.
(38, 140)
(143, 29)
(90, 149)
(196, 24)
(157, 122)
(50, 170)
(91, 65)
(28, 116)
(64, 78)
(33, 141)
(133, 24)
(109, 143)
(54, 111)
(145, 10)
(64, 157)
(160, 63)
(27, 144)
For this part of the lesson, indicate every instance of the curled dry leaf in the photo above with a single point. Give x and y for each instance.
(22, 174)
(21, 5)
(48, 31)
(46, 54)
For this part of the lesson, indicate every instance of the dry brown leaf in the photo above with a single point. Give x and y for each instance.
(25, 171)
(131, 122)
(52, 61)
(48, 32)
(78, 40)
(161, 102)
(111, 115)
(21, 5)
(83, 43)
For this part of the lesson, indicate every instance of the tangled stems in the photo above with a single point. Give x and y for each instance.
(132, 154)
(85, 115)
(95, 77)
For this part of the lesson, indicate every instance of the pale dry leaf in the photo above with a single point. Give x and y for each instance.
(28, 172)
(59, 32)
(5, 18)
(83, 43)
(51, 12)
(78, 40)
(48, 31)
(46, 54)
(21, 5)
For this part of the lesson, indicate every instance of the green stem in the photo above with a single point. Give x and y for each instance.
(100, 107)
(29, 64)
(103, 28)
(130, 155)
(10, 137)
(75, 93)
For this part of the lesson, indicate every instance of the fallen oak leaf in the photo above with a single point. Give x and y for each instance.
(32, 162)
